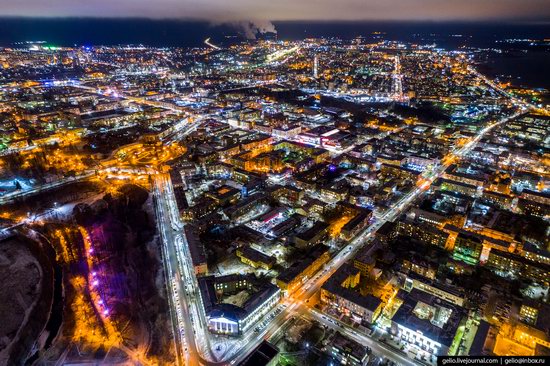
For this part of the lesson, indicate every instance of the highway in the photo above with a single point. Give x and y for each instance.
(516, 101)
(185, 346)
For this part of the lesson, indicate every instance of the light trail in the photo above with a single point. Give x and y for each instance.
(208, 43)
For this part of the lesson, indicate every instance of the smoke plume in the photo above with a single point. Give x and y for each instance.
(252, 28)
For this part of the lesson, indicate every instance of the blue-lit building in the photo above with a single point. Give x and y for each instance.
(230, 319)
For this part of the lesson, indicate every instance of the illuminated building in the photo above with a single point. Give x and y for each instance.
(534, 254)
(413, 280)
(400, 172)
(245, 205)
(202, 208)
(425, 218)
(259, 144)
(420, 267)
(285, 227)
(424, 233)
(460, 187)
(532, 330)
(318, 155)
(467, 248)
(533, 207)
(427, 322)
(516, 265)
(229, 319)
(224, 195)
(501, 199)
(387, 232)
(354, 226)
(341, 292)
(535, 196)
(254, 258)
(347, 351)
(337, 191)
(286, 131)
(528, 314)
(365, 260)
(229, 151)
(524, 180)
(219, 169)
(311, 236)
(452, 174)
(292, 277)
(316, 67)
(419, 162)
(196, 248)
(288, 193)
(389, 160)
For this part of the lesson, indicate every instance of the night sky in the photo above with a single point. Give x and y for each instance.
(258, 10)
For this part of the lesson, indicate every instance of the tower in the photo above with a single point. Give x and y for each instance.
(316, 67)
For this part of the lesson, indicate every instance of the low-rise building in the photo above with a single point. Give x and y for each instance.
(198, 254)
(426, 321)
(353, 227)
(229, 319)
(255, 258)
(290, 279)
(449, 293)
(341, 292)
(311, 236)
(347, 351)
(516, 265)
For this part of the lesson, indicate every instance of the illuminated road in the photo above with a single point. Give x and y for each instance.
(209, 44)
(138, 100)
(516, 101)
(182, 328)
(379, 349)
(194, 343)
(281, 54)
(8, 197)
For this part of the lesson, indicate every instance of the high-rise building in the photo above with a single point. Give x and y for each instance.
(316, 66)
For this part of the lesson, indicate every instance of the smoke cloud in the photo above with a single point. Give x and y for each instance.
(252, 28)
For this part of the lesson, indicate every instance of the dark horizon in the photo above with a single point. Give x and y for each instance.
(68, 31)
(87, 31)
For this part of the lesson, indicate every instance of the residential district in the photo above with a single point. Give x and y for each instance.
(318, 202)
